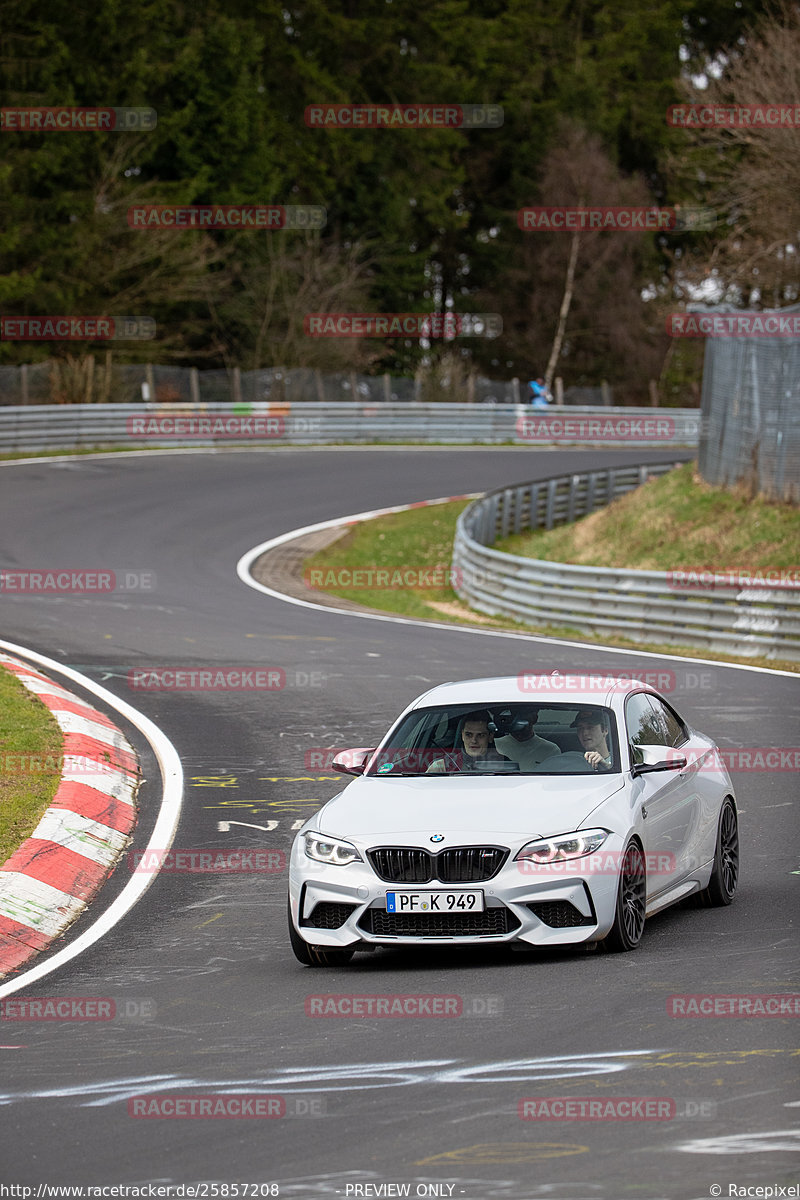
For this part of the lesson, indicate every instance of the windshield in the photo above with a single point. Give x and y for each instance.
(508, 739)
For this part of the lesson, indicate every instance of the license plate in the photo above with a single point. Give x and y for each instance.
(429, 902)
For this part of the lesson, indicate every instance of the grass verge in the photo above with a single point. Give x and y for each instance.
(675, 521)
(422, 538)
(28, 730)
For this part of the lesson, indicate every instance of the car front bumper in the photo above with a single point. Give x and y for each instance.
(559, 907)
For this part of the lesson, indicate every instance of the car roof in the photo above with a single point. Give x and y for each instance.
(579, 690)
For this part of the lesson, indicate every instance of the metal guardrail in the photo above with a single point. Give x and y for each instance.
(641, 605)
(55, 426)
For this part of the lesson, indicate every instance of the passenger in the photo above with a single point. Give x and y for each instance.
(521, 742)
(478, 752)
(592, 730)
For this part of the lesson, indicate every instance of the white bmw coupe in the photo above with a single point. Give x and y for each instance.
(516, 810)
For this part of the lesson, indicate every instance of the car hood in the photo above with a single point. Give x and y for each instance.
(373, 809)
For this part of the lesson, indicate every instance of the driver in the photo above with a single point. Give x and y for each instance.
(521, 742)
(479, 754)
(592, 730)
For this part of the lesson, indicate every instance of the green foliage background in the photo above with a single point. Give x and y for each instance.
(418, 216)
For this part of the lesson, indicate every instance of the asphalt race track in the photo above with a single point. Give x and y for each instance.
(209, 998)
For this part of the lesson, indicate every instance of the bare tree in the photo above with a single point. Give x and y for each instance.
(581, 308)
(285, 276)
(750, 173)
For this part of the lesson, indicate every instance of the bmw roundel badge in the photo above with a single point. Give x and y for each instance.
(437, 837)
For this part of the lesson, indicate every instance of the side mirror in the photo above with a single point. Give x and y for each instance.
(657, 758)
(352, 762)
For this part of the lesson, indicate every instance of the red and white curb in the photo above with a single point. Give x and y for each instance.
(48, 882)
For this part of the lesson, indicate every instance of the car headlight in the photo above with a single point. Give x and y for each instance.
(330, 850)
(564, 846)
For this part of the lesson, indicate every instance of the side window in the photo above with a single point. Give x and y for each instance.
(643, 724)
(676, 732)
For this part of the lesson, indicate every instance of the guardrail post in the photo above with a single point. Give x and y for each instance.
(506, 500)
(519, 504)
(491, 527)
(533, 507)
(591, 484)
(194, 385)
(549, 515)
(482, 523)
(572, 497)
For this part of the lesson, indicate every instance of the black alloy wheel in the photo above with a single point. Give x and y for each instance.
(626, 932)
(725, 874)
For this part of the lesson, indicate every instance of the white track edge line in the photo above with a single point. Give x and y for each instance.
(163, 831)
(249, 557)
(547, 447)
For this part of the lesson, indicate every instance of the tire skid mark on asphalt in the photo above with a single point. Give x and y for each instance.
(755, 1142)
(353, 1077)
(357, 1076)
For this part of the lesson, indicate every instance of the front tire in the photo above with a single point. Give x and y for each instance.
(315, 956)
(725, 873)
(626, 932)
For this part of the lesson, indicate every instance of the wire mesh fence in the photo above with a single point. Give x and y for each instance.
(750, 423)
(84, 381)
(102, 381)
